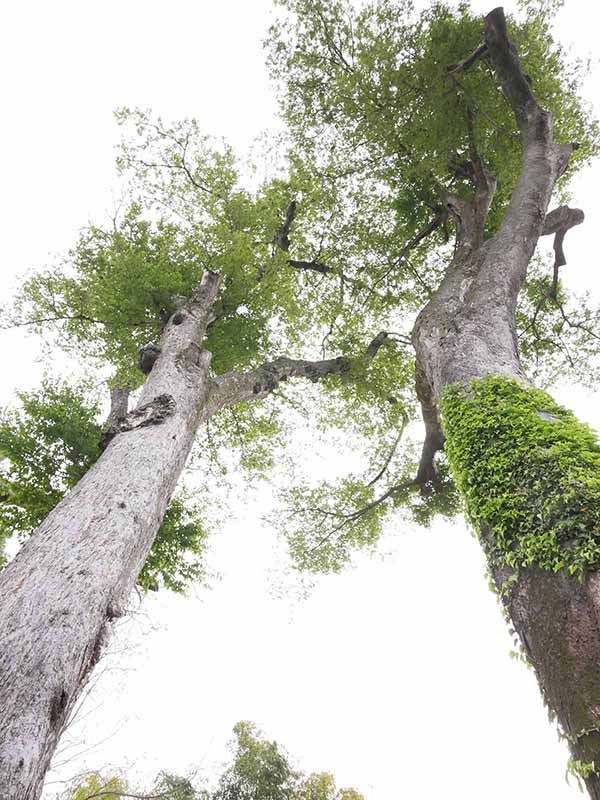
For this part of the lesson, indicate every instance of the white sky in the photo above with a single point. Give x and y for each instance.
(395, 676)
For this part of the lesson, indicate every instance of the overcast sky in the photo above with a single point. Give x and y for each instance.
(395, 676)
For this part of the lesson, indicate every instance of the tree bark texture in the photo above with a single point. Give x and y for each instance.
(59, 595)
(74, 575)
(466, 333)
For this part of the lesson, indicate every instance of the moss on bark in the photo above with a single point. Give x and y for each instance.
(529, 472)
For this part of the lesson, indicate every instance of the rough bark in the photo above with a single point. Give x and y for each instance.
(59, 595)
(466, 332)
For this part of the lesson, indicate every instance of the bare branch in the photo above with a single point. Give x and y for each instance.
(434, 436)
(117, 793)
(390, 455)
(506, 63)
(69, 318)
(558, 222)
(119, 407)
(440, 219)
(314, 266)
(282, 237)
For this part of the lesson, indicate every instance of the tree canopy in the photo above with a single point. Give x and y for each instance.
(347, 236)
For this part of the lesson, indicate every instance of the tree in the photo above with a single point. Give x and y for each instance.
(260, 770)
(79, 568)
(527, 470)
(404, 156)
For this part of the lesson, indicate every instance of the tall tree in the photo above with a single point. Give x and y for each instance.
(417, 112)
(410, 190)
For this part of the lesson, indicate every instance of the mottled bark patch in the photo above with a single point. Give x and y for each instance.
(152, 413)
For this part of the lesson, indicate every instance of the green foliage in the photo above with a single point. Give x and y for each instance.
(368, 87)
(325, 524)
(259, 770)
(558, 335)
(581, 770)
(377, 124)
(46, 446)
(175, 787)
(252, 431)
(529, 473)
(110, 788)
(176, 557)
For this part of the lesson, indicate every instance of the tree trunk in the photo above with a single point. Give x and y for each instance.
(466, 333)
(556, 615)
(59, 595)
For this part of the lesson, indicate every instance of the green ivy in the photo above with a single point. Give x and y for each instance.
(581, 769)
(529, 473)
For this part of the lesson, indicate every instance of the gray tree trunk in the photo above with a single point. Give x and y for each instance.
(467, 332)
(59, 595)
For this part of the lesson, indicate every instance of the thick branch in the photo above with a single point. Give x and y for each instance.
(542, 163)
(434, 437)
(506, 63)
(282, 237)
(313, 266)
(469, 229)
(432, 444)
(119, 406)
(236, 387)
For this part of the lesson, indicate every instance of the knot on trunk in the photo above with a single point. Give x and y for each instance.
(147, 356)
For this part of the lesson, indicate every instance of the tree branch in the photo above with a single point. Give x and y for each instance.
(434, 436)
(282, 237)
(235, 387)
(314, 266)
(506, 63)
(440, 219)
(558, 222)
(117, 793)
(542, 162)
(390, 455)
(467, 62)
(119, 407)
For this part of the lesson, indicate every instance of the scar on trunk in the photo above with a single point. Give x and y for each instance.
(152, 413)
(58, 706)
